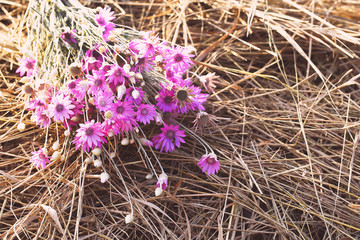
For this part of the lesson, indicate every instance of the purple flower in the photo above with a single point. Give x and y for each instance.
(189, 97)
(74, 87)
(165, 101)
(26, 65)
(209, 164)
(41, 118)
(170, 137)
(122, 110)
(142, 48)
(68, 36)
(178, 58)
(89, 135)
(39, 159)
(60, 107)
(145, 113)
(97, 83)
(104, 16)
(104, 100)
(116, 75)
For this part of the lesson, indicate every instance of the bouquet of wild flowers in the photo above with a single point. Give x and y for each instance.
(99, 84)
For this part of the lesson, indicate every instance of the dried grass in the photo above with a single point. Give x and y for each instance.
(287, 132)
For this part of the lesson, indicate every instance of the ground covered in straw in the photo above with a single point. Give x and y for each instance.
(286, 134)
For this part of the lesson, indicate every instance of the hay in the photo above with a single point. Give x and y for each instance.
(287, 133)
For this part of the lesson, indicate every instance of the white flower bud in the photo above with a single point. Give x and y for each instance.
(159, 58)
(132, 74)
(127, 68)
(139, 76)
(97, 163)
(135, 94)
(125, 141)
(132, 80)
(109, 114)
(75, 118)
(120, 91)
(56, 145)
(56, 156)
(88, 160)
(132, 141)
(21, 126)
(67, 133)
(111, 133)
(149, 176)
(112, 37)
(104, 176)
(91, 100)
(112, 155)
(119, 49)
(96, 151)
(129, 218)
(102, 49)
(136, 129)
(158, 192)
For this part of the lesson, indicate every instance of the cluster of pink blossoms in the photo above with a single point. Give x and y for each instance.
(104, 97)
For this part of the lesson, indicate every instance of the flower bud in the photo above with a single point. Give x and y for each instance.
(56, 156)
(96, 151)
(97, 163)
(132, 74)
(67, 133)
(120, 91)
(109, 114)
(111, 133)
(102, 49)
(112, 155)
(135, 94)
(112, 37)
(149, 176)
(129, 218)
(21, 126)
(159, 58)
(104, 176)
(127, 68)
(132, 141)
(56, 145)
(139, 76)
(125, 141)
(88, 160)
(158, 192)
(91, 100)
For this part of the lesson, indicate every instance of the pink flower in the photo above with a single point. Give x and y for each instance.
(61, 107)
(89, 135)
(104, 100)
(116, 75)
(40, 159)
(104, 16)
(26, 65)
(142, 48)
(41, 118)
(165, 100)
(209, 164)
(122, 110)
(178, 58)
(169, 138)
(145, 113)
(97, 83)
